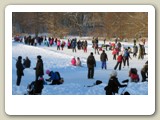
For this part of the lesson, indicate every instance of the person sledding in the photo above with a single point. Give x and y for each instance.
(113, 84)
(55, 78)
(35, 87)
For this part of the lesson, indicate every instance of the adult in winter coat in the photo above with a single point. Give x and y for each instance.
(113, 84)
(55, 77)
(141, 51)
(58, 44)
(126, 57)
(39, 68)
(144, 72)
(27, 63)
(135, 50)
(104, 58)
(91, 63)
(85, 44)
(119, 62)
(78, 62)
(114, 53)
(20, 69)
(73, 44)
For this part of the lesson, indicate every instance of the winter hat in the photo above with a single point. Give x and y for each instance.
(19, 57)
(47, 71)
(113, 74)
(39, 57)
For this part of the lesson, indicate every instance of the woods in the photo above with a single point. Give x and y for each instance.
(104, 24)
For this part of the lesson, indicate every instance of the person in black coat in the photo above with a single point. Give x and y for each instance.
(103, 59)
(91, 63)
(20, 69)
(113, 84)
(35, 88)
(27, 63)
(39, 67)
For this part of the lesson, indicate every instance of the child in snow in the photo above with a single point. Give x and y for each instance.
(78, 63)
(133, 75)
(55, 77)
(113, 84)
(119, 61)
(73, 61)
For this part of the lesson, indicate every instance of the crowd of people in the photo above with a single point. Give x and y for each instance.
(119, 52)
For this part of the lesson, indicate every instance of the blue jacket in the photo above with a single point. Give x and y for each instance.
(53, 76)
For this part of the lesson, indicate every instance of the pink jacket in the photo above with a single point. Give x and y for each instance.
(58, 42)
(73, 61)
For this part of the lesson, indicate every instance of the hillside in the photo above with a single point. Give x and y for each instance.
(112, 24)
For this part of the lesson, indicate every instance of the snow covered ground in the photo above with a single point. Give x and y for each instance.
(75, 78)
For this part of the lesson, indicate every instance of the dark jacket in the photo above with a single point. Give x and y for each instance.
(103, 57)
(113, 86)
(39, 67)
(91, 63)
(27, 63)
(38, 86)
(20, 68)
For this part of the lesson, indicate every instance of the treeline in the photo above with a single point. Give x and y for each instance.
(112, 24)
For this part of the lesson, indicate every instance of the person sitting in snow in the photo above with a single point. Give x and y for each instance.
(133, 75)
(113, 84)
(78, 63)
(35, 88)
(55, 78)
(73, 61)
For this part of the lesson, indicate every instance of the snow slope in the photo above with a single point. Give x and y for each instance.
(75, 78)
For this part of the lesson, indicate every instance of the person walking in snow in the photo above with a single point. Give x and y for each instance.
(135, 50)
(85, 44)
(39, 68)
(104, 58)
(114, 53)
(63, 44)
(58, 44)
(113, 84)
(119, 61)
(126, 57)
(73, 61)
(96, 46)
(91, 63)
(20, 69)
(73, 44)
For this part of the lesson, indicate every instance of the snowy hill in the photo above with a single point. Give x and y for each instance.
(75, 78)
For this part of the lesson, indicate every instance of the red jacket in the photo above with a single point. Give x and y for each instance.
(134, 77)
(120, 58)
(114, 52)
